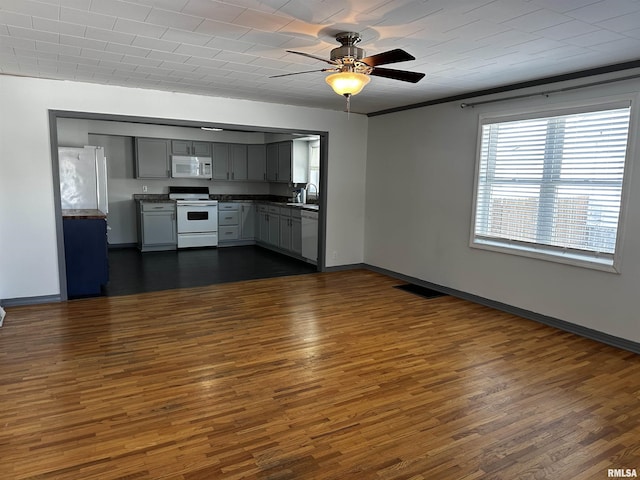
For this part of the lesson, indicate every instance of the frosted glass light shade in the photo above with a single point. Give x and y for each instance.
(347, 83)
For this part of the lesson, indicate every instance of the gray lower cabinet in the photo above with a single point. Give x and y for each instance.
(152, 158)
(296, 231)
(274, 225)
(248, 222)
(228, 223)
(280, 228)
(263, 224)
(269, 225)
(285, 229)
(236, 223)
(291, 230)
(157, 226)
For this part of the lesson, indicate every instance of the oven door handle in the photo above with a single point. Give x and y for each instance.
(187, 204)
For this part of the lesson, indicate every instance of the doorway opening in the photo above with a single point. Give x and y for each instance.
(117, 134)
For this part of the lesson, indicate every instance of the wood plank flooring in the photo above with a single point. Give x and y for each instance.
(320, 376)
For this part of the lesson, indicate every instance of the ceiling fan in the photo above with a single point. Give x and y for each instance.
(351, 68)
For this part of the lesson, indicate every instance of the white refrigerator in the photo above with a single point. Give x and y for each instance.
(83, 178)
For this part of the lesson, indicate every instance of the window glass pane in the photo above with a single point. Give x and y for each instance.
(554, 181)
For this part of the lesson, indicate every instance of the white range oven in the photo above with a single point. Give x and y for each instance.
(197, 217)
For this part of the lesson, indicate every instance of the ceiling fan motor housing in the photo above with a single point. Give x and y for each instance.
(341, 52)
(348, 48)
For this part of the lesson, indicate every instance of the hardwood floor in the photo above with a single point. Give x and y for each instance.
(320, 376)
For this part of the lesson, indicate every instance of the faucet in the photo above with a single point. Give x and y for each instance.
(296, 195)
(314, 186)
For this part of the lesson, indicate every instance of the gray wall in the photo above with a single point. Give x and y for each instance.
(419, 197)
(28, 222)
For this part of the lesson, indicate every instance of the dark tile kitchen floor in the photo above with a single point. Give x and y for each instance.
(133, 272)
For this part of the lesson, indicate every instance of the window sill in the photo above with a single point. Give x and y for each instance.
(567, 257)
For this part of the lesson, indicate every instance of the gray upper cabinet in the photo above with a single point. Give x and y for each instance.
(230, 161)
(256, 163)
(220, 161)
(272, 162)
(288, 162)
(152, 158)
(237, 162)
(188, 147)
(285, 150)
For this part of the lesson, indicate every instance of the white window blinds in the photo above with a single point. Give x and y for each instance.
(553, 184)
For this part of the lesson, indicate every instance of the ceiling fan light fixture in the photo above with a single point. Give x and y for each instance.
(347, 83)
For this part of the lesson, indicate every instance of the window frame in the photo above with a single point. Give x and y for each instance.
(609, 262)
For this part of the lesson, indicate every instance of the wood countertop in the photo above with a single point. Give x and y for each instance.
(83, 214)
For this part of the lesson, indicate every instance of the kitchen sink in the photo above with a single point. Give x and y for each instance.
(308, 206)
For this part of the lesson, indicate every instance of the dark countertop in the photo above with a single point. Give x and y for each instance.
(152, 197)
(83, 214)
(164, 197)
(230, 198)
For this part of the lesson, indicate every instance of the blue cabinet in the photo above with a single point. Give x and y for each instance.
(85, 249)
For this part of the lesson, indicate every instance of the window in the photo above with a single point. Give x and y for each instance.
(551, 186)
(314, 168)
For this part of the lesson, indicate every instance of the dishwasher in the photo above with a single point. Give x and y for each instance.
(310, 235)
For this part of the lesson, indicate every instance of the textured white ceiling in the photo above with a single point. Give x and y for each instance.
(230, 48)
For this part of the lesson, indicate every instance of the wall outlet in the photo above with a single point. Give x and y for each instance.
(144, 189)
(334, 255)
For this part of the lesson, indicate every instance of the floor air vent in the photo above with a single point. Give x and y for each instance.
(422, 291)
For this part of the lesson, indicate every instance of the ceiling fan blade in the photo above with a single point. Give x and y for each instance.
(403, 75)
(298, 73)
(391, 56)
(332, 62)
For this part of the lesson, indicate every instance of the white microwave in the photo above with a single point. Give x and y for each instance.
(183, 166)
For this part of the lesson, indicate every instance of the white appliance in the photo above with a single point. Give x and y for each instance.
(310, 235)
(183, 166)
(83, 178)
(197, 217)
